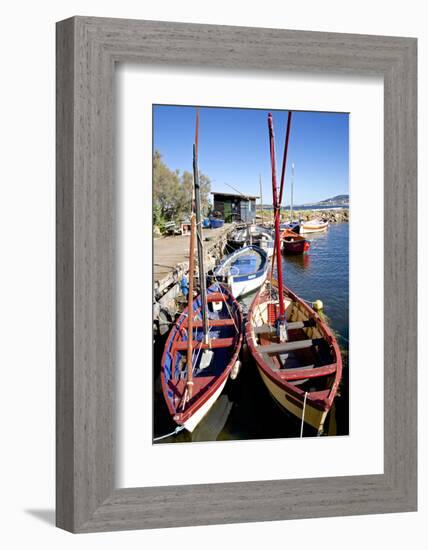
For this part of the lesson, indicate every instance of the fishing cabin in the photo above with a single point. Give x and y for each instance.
(235, 208)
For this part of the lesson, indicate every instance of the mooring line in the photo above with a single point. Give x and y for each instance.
(177, 430)
(303, 415)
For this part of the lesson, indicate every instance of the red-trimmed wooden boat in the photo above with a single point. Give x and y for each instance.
(204, 343)
(296, 353)
(223, 346)
(303, 372)
(293, 243)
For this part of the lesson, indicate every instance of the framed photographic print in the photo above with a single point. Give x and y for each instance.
(263, 180)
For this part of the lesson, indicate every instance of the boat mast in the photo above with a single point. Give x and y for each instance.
(277, 210)
(190, 312)
(284, 158)
(202, 279)
(261, 194)
(292, 191)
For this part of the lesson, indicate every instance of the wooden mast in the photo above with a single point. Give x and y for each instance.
(276, 216)
(190, 313)
(292, 192)
(277, 210)
(202, 279)
(284, 158)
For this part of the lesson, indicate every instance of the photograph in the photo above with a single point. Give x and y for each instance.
(250, 273)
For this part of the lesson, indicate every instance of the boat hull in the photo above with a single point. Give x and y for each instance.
(204, 409)
(296, 247)
(307, 228)
(241, 288)
(294, 404)
(293, 243)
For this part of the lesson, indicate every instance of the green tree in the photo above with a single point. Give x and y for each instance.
(205, 183)
(168, 192)
(172, 192)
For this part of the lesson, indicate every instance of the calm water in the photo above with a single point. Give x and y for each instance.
(245, 410)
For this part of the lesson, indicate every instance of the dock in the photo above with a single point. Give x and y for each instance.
(170, 264)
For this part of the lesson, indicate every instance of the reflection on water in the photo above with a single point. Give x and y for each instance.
(245, 410)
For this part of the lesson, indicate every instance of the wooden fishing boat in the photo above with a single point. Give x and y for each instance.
(212, 362)
(292, 243)
(264, 240)
(243, 271)
(294, 226)
(243, 236)
(204, 343)
(238, 238)
(296, 354)
(313, 226)
(303, 372)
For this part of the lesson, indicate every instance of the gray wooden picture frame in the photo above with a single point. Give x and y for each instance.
(87, 50)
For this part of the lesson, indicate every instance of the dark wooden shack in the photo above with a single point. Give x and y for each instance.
(235, 208)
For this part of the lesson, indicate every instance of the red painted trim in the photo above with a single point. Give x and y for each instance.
(214, 344)
(316, 372)
(216, 297)
(211, 323)
(206, 386)
(323, 403)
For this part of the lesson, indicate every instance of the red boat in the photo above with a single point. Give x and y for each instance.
(292, 243)
(192, 382)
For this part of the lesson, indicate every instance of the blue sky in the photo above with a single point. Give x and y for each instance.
(234, 149)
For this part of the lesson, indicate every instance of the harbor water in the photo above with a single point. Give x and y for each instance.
(245, 410)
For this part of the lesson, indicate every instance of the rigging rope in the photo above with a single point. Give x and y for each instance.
(177, 430)
(225, 302)
(303, 414)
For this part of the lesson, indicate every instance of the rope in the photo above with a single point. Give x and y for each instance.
(225, 302)
(177, 430)
(303, 415)
(199, 351)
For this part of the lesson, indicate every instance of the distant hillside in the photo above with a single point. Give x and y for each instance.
(338, 200)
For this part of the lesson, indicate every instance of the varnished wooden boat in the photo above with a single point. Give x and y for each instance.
(296, 354)
(292, 243)
(313, 226)
(303, 372)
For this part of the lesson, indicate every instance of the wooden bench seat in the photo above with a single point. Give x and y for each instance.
(286, 347)
(214, 344)
(211, 323)
(263, 329)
